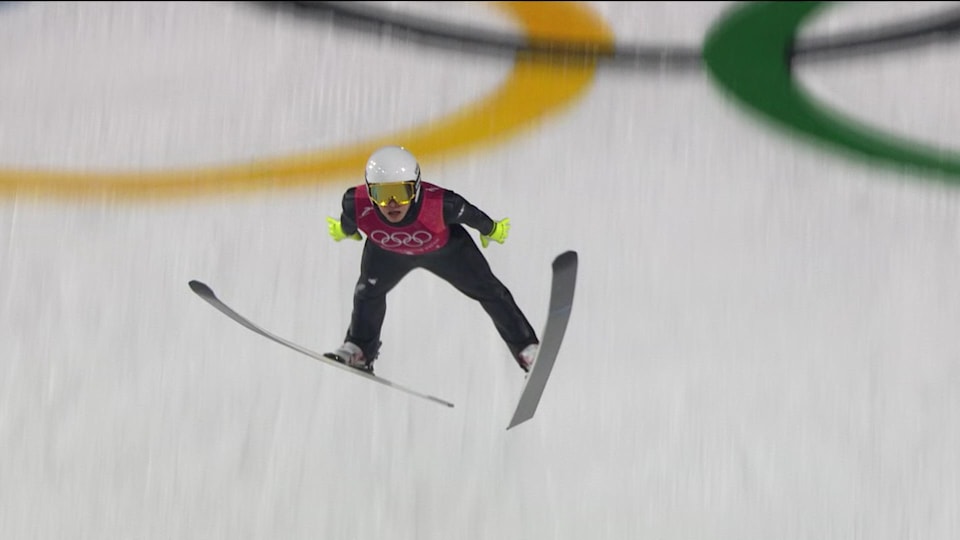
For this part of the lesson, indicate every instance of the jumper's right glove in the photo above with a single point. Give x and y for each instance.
(498, 234)
(336, 231)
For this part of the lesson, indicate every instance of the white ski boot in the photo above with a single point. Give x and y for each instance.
(528, 356)
(351, 355)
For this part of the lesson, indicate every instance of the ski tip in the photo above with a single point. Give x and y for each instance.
(565, 259)
(200, 288)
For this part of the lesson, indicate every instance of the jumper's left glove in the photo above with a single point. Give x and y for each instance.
(498, 234)
(336, 231)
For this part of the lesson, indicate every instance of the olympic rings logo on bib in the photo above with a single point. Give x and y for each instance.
(401, 239)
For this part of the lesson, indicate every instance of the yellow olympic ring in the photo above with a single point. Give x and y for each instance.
(533, 90)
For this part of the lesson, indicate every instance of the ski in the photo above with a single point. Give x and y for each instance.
(561, 301)
(206, 293)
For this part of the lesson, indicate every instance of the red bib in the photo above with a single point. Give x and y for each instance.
(427, 233)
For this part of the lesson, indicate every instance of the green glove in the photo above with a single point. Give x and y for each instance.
(498, 234)
(336, 231)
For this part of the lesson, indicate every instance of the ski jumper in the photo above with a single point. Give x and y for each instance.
(431, 236)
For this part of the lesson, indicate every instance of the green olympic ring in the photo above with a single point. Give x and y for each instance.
(748, 54)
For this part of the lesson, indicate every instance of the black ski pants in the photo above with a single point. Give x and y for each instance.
(460, 263)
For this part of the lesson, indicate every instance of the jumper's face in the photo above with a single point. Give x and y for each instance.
(394, 212)
(393, 198)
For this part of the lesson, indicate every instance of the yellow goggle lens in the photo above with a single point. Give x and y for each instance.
(402, 192)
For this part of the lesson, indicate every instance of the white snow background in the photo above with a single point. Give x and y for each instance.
(764, 343)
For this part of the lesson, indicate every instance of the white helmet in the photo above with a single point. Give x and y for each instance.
(392, 165)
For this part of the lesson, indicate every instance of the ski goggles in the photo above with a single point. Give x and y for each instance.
(402, 192)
